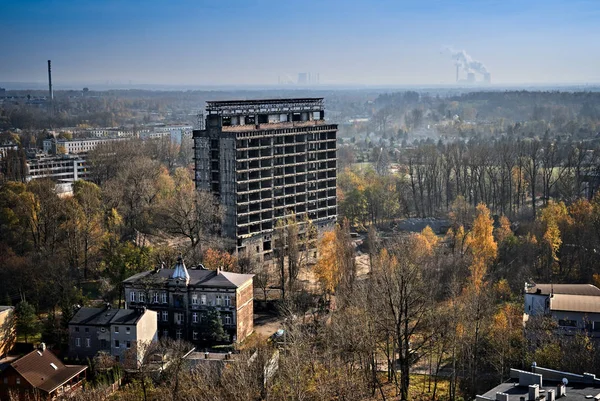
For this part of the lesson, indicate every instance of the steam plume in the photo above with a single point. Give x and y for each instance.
(466, 62)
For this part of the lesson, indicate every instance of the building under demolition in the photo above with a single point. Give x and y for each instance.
(267, 159)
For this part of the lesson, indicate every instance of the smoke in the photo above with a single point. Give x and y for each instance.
(465, 62)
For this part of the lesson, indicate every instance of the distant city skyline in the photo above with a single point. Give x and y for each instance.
(237, 43)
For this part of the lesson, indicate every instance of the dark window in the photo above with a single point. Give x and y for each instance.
(567, 323)
(76, 329)
(116, 343)
(87, 329)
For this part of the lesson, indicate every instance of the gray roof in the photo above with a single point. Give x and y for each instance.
(198, 277)
(105, 317)
(575, 391)
(3, 308)
(566, 289)
(575, 303)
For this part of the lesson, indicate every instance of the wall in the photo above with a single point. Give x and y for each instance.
(245, 311)
(95, 333)
(7, 330)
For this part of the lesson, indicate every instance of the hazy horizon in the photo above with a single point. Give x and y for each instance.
(387, 43)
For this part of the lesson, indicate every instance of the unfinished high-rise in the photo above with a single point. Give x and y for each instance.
(265, 160)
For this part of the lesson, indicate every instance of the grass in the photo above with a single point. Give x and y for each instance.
(420, 389)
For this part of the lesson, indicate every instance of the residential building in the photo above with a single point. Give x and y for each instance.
(544, 384)
(61, 168)
(113, 331)
(40, 372)
(182, 297)
(8, 335)
(264, 160)
(75, 146)
(574, 306)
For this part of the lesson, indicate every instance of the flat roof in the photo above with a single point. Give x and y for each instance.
(565, 289)
(234, 107)
(575, 391)
(262, 101)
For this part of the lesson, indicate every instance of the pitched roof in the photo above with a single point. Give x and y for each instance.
(105, 317)
(198, 277)
(566, 289)
(228, 280)
(37, 368)
(575, 303)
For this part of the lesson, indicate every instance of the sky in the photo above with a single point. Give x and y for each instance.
(347, 42)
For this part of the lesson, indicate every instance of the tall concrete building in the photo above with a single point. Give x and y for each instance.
(266, 159)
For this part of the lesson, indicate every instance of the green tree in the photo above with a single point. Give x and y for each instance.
(212, 327)
(27, 320)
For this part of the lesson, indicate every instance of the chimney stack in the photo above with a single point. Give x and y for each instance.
(50, 92)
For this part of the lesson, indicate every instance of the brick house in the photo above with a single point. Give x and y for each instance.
(40, 372)
(181, 297)
(113, 331)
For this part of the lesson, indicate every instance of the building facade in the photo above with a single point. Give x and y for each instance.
(265, 160)
(63, 168)
(113, 331)
(75, 146)
(575, 307)
(182, 298)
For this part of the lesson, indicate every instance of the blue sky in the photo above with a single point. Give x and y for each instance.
(255, 42)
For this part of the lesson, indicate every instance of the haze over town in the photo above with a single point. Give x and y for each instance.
(256, 43)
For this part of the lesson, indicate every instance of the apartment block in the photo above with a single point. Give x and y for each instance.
(267, 159)
(113, 331)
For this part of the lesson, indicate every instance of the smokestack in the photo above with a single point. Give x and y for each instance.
(50, 92)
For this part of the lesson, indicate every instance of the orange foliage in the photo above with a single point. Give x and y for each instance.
(214, 258)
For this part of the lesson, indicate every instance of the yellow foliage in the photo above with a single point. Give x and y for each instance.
(502, 289)
(326, 269)
(504, 231)
(481, 239)
(552, 239)
(556, 212)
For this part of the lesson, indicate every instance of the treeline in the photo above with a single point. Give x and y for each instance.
(512, 176)
(57, 252)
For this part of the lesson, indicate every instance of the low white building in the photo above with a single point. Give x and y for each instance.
(573, 306)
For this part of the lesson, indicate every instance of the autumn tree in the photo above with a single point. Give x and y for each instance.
(215, 259)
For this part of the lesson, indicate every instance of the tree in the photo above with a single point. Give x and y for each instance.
(215, 259)
(327, 270)
(212, 327)
(405, 303)
(186, 211)
(26, 320)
